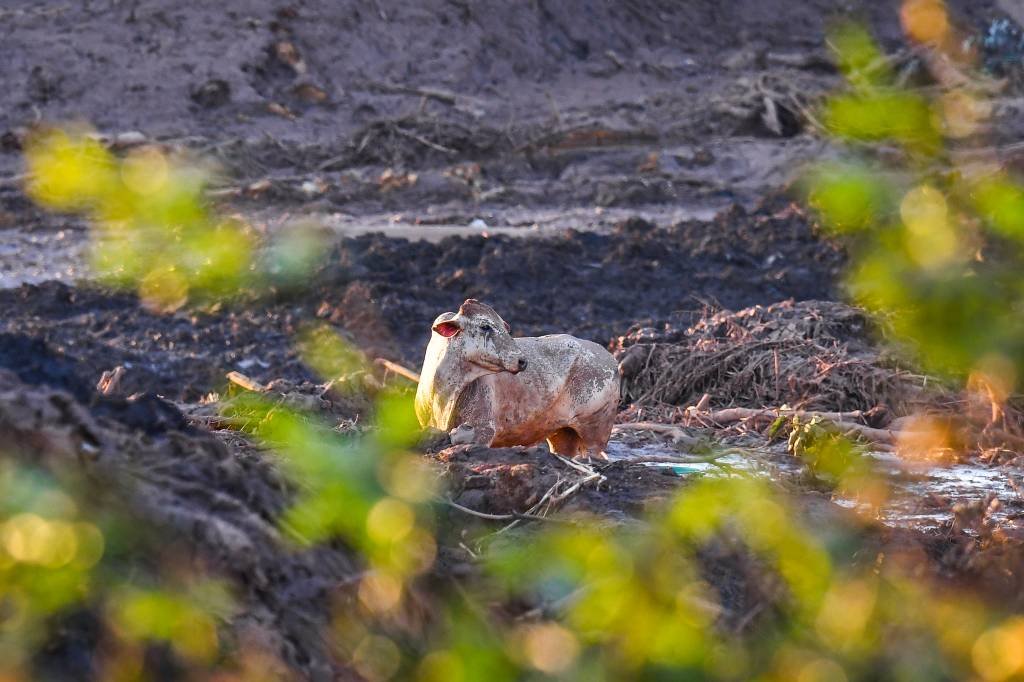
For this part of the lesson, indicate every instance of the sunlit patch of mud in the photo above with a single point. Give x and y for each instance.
(31, 257)
(922, 495)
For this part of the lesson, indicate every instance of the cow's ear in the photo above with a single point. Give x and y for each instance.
(447, 326)
(447, 329)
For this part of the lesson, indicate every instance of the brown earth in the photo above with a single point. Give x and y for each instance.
(384, 293)
(500, 109)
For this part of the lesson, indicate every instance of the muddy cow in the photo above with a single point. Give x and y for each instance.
(503, 391)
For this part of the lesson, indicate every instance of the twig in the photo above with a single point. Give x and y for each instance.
(676, 433)
(245, 382)
(479, 514)
(518, 516)
(578, 466)
(544, 498)
(424, 141)
(432, 93)
(399, 370)
(110, 381)
(735, 414)
(562, 496)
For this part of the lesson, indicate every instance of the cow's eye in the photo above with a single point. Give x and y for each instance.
(487, 328)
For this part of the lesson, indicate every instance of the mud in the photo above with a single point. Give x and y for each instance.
(600, 168)
(383, 293)
(188, 492)
(633, 103)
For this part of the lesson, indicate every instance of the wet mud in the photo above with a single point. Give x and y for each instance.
(606, 169)
(383, 293)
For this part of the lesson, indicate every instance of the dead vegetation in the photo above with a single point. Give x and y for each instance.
(812, 355)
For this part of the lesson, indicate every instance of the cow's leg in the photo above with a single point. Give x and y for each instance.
(566, 441)
(475, 414)
(482, 434)
(595, 434)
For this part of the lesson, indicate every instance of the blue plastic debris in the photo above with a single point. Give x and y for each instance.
(683, 470)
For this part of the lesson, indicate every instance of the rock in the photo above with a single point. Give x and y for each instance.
(129, 139)
(463, 434)
(213, 93)
(13, 140)
(43, 84)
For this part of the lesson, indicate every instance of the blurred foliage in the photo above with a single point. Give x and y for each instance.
(60, 552)
(935, 233)
(828, 452)
(728, 580)
(152, 225)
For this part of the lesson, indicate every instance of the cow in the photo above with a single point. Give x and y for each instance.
(485, 386)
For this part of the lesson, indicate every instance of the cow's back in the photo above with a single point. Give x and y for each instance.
(567, 380)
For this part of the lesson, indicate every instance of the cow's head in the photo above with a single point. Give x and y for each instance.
(478, 337)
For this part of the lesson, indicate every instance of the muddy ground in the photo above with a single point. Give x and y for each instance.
(617, 155)
(384, 293)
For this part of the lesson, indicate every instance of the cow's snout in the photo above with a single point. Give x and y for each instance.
(521, 365)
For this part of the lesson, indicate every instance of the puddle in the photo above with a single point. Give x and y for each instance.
(922, 495)
(31, 257)
(432, 225)
(42, 255)
(620, 451)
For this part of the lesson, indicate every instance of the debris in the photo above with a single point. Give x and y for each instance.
(391, 180)
(761, 418)
(809, 60)
(310, 93)
(281, 110)
(951, 77)
(314, 187)
(255, 189)
(398, 369)
(213, 93)
(13, 140)
(129, 139)
(778, 118)
(469, 173)
(110, 382)
(1003, 43)
(424, 141)
(287, 53)
(813, 354)
(245, 382)
(43, 84)
(478, 224)
(445, 96)
(615, 59)
(675, 433)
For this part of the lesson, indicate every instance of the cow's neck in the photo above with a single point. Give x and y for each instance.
(451, 377)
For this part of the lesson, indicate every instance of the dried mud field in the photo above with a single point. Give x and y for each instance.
(606, 169)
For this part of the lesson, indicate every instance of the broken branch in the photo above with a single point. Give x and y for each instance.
(398, 369)
(676, 433)
(245, 382)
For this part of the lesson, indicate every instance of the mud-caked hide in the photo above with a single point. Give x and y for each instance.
(516, 391)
